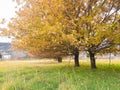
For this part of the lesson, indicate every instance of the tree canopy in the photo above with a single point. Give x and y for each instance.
(53, 28)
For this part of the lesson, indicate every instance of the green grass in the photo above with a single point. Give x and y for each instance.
(36, 75)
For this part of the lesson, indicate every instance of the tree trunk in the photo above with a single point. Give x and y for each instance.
(76, 58)
(59, 59)
(92, 60)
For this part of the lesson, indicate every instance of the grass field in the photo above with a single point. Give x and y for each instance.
(50, 75)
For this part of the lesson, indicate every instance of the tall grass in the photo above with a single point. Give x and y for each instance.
(36, 75)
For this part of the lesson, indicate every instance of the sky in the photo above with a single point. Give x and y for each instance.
(7, 11)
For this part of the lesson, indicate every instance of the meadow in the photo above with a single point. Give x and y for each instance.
(50, 75)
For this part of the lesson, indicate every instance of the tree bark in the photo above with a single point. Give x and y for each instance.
(0, 56)
(76, 58)
(92, 60)
(59, 59)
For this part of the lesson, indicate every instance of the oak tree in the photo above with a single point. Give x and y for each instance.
(66, 27)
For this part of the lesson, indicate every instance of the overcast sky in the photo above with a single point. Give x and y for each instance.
(7, 11)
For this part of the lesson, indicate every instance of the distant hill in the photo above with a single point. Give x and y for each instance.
(5, 47)
(7, 53)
